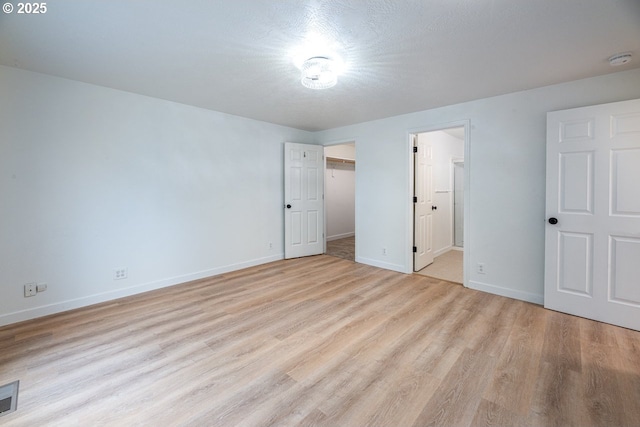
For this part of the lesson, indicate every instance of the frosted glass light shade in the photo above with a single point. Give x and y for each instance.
(318, 73)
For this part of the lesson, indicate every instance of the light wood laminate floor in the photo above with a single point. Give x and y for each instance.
(342, 248)
(320, 341)
(447, 266)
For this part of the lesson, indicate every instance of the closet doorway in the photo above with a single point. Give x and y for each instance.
(439, 203)
(340, 195)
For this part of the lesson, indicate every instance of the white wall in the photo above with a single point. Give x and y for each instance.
(445, 148)
(340, 196)
(506, 164)
(93, 179)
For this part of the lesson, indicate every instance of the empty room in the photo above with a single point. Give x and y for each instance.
(175, 178)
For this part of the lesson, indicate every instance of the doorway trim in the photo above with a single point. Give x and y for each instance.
(466, 124)
(455, 161)
(324, 175)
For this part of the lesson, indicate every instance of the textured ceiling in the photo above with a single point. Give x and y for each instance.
(236, 56)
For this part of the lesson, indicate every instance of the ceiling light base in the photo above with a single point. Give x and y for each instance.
(318, 72)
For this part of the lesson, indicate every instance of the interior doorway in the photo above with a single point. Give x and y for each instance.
(439, 203)
(304, 205)
(340, 180)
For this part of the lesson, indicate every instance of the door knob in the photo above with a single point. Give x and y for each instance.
(553, 221)
(434, 208)
(288, 206)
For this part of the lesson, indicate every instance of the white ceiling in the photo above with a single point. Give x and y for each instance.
(235, 56)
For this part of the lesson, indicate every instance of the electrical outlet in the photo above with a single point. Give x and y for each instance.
(119, 274)
(30, 290)
(41, 287)
(270, 246)
(384, 251)
(481, 269)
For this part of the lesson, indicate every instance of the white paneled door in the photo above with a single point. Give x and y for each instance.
(304, 200)
(423, 204)
(592, 260)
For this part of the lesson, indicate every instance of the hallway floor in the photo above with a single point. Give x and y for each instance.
(447, 266)
(342, 248)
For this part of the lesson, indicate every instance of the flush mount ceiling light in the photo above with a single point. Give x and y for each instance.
(319, 72)
(619, 59)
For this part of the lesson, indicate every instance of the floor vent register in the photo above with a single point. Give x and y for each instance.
(9, 398)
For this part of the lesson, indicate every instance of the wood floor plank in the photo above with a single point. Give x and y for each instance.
(486, 333)
(562, 341)
(558, 399)
(398, 372)
(600, 384)
(627, 356)
(458, 396)
(320, 341)
(517, 368)
(490, 414)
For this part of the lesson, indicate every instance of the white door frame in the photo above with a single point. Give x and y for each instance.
(329, 144)
(466, 124)
(454, 161)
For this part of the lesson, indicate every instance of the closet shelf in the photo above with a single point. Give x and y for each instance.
(337, 160)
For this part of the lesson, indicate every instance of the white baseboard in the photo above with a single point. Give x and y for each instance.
(45, 310)
(340, 236)
(381, 264)
(505, 292)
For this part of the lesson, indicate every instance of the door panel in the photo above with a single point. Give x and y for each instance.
(296, 228)
(592, 253)
(423, 214)
(576, 182)
(303, 194)
(576, 130)
(295, 184)
(312, 184)
(625, 189)
(313, 227)
(575, 263)
(625, 124)
(625, 262)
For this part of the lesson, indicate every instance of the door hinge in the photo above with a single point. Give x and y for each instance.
(415, 199)
(415, 149)
(415, 249)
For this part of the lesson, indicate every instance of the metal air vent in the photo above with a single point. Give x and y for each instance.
(9, 398)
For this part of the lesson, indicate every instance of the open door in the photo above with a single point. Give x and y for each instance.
(423, 203)
(592, 254)
(304, 200)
